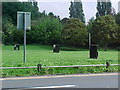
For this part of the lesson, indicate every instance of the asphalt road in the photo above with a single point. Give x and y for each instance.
(106, 80)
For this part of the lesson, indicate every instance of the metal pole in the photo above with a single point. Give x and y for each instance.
(89, 40)
(24, 38)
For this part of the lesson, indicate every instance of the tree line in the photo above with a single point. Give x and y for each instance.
(49, 29)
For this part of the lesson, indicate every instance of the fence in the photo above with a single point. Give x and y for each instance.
(39, 66)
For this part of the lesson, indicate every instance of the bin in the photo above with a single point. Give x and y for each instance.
(56, 48)
(17, 46)
(93, 51)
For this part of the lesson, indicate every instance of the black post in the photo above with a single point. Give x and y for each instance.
(107, 64)
(39, 67)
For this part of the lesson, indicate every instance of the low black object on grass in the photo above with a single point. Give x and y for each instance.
(17, 46)
(56, 48)
(93, 51)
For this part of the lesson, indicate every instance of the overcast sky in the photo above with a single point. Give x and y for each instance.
(61, 7)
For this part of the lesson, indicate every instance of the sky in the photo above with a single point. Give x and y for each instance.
(61, 7)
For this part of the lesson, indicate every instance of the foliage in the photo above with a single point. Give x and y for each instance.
(103, 7)
(18, 36)
(64, 20)
(45, 31)
(117, 19)
(72, 11)
(7, 32)
(104, 30)
(89, 28)
(90, 24)
(10, 34)
(74, 33)
(76, 10)
(10, 9)
(53, 16)
(45, 28)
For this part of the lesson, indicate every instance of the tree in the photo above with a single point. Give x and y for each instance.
(74, 33)
(72, 11)
(35, 4)
(90, 23)
(64, 20)
(89, 28)
(10, 9)
(104, 30)
(53, 16)
(103, 7)
(45, 31)
(36, 9)
(8, 32)
(113, 12)
(117, 19)
(9, 21)
(76, 10)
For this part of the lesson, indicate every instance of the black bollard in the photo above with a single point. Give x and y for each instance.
(39, 67)
(107, 64)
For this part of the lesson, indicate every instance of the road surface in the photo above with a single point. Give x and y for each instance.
(105, 80)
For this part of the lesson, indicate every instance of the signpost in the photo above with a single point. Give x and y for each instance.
(24, 23)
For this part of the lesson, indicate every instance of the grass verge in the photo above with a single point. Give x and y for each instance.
(57, 71)
(37, 54)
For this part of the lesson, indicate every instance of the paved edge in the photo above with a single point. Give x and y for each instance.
(40, 77)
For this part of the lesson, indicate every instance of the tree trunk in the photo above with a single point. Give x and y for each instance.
(105, 47)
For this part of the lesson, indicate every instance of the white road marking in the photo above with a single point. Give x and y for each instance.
(61, 86)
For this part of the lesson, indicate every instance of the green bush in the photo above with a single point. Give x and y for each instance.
(74, 33)
(45, 31)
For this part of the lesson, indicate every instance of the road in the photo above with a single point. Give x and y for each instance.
(105, 80)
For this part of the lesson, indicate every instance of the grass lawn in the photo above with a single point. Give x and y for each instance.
(37, 54)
